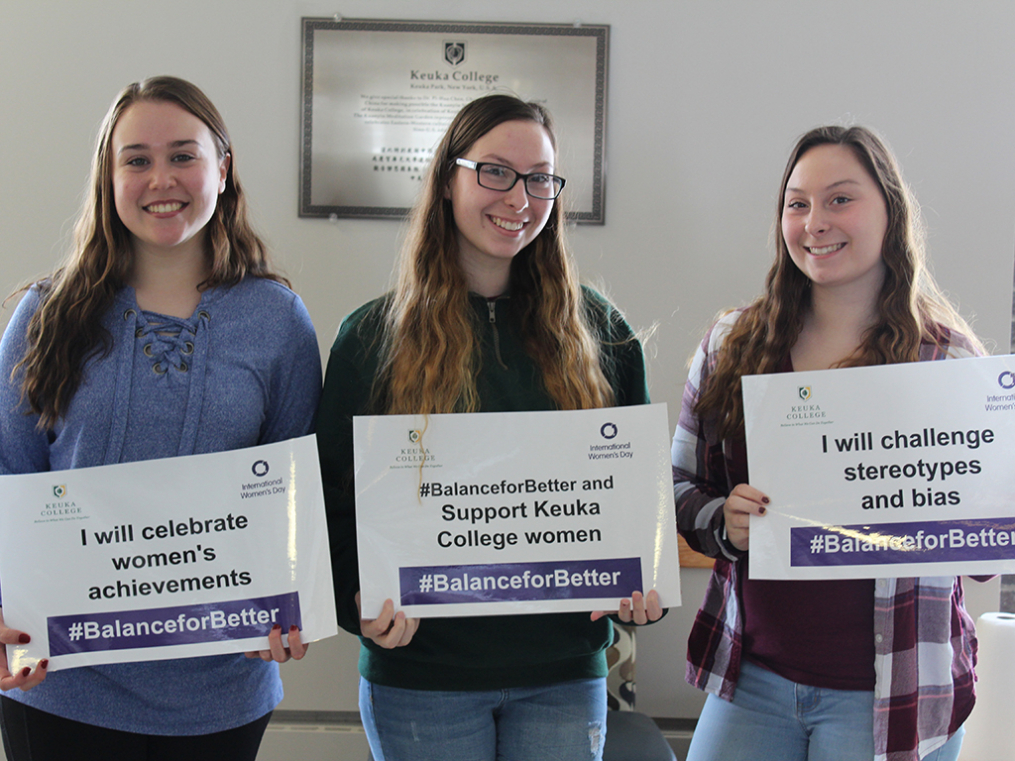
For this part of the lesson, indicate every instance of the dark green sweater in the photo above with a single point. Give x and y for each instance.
(477, 653)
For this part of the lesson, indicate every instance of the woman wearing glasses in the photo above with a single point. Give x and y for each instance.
(486, 315)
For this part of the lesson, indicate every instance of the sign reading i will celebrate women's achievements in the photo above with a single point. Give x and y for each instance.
(894, 470)
(515, 512)
(107, 565)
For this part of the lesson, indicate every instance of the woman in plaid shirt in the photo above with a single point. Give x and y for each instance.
(812, 670)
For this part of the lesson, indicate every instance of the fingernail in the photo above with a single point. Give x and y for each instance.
(277, 628)
(24, 639)
(765, 500)
(26, 671)
(44, 663)
(762, 511)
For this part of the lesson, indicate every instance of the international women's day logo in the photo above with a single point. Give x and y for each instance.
(1006, 380)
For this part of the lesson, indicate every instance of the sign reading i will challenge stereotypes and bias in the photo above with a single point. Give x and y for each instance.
(107, 565)
(514, 512)
(894, 470)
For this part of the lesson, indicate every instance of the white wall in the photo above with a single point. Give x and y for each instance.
(705, 101)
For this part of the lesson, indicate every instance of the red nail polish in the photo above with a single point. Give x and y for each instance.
(26, 671)
(762, 511)
(294, 628)
(765, 500)
(24, 639)
(44, 663)
(277, 628)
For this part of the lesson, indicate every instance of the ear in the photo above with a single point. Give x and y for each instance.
(224, 171)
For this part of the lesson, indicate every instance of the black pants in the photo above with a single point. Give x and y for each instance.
(33, 735)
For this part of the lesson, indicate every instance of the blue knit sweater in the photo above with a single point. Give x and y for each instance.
(243, 370)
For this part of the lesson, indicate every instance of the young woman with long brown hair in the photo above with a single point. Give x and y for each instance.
(165, 333)
(850, 669)
(486, 315)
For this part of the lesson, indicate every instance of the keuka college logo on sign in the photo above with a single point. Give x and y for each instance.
(61, 510)
(809, 413)
(416, 455)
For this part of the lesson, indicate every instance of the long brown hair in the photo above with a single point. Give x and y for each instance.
(66, 329)
(911, 307)
(430, 354)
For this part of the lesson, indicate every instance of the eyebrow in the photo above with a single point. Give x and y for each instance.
(144, 146)
(830, 187)
(495, 159)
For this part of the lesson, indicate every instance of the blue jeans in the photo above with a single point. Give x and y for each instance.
(774, 719)
(558, 722)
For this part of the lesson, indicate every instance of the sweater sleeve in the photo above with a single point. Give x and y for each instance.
(23, 447)
(296, 379)
(700, 477)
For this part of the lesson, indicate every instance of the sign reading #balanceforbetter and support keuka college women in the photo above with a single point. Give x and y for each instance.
(515, 512)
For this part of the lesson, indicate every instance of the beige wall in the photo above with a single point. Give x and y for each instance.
(705, 100)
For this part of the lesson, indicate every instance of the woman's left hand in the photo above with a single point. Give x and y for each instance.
(276, 652)
(640, 609)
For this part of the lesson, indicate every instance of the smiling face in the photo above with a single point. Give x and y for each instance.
(167, 176)
(492, 225)
(834, 219)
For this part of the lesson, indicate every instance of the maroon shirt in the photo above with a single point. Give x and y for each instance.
(832, 622)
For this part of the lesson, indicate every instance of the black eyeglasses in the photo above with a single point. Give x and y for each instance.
(499, 177)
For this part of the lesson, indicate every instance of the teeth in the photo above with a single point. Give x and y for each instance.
(826, 249)
(164, 208)
(512, 226)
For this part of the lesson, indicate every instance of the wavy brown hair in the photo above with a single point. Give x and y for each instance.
(911, 307)
(66, 329)
(429, 352)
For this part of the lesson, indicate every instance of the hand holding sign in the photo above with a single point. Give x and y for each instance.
(640, 609)
(743, 502)
(25, 678)
(389, 629)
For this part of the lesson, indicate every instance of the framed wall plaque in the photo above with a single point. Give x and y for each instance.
(378, 95)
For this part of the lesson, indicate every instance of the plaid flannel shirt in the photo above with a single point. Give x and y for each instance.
(923, 663)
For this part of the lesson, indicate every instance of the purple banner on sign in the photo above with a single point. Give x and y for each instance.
(181, 625)
(507, 582)
(918, 542)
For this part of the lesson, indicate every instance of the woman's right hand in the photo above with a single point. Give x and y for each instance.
(25, 679)
(742, 502)
(389, 629)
